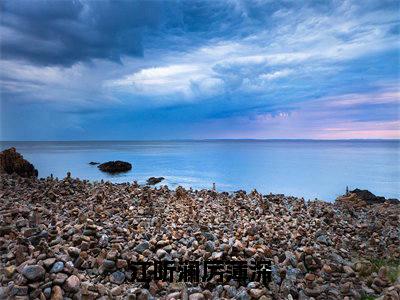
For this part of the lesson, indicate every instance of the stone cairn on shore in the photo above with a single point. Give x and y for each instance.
(73, 239)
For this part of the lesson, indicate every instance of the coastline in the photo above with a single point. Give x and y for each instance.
(89, 232)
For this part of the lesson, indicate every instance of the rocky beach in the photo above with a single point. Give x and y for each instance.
(74, 239)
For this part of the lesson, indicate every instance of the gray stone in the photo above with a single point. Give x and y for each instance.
(209, 236)
(57, 267)
(72, 284)
(210, 246)
(34, 272)
(117, 277)
(103, 241)
(142, 247)
(108, 265)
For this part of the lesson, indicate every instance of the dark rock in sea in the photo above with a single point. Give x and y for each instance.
(364, 197)
(94, 163)
(13, 162)
(115, 166)
(154, 180)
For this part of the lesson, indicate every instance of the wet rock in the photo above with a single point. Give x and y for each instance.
(154, 180)
(115, 166)
(13, 162)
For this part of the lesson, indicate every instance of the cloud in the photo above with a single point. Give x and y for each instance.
(276, 75)
(66, 32)
(174, 79)
(199, 63)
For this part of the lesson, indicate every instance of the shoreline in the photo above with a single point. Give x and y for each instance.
(90, 232)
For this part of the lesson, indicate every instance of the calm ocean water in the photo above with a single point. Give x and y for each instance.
(309, 169)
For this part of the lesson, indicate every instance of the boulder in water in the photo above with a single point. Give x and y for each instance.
(116, 166)
(13, 162)
(154, 180)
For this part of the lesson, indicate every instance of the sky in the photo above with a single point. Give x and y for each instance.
(151, 70)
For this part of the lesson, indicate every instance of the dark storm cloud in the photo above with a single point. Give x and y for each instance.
(66, 32)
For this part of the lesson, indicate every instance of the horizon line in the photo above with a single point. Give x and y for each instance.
(201, 140)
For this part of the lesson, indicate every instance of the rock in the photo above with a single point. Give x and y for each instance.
(57, 267)
(154, 180)
(57, 293)
(47, 292)
(18, 290)
(13, 162)
(103, 241)
(142, 247)
(49, 262)
(196, 296)
(108, 265)
(324, 240)
(309, 277)
(313, 292)
(121, 263)
(72, 284)
(117, 277)
(60, 278)
(35, 239)
(348, 270)
(242, 295)
(209, 236)
(33, 272)
(210, 246)
(161, 253)
(115, 166)
(74, 251)
(256, 293)
(116, 291)
(9, 271)
(175, 295)
(94, 163)
(364, 197)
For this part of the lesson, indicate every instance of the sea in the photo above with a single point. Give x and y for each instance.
(312, 169)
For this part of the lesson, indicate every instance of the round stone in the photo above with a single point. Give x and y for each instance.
(72, 284)
(57, 267)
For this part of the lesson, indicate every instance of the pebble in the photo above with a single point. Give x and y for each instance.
(117, 277)
(57, 293)
(34, 272)
(87, 232)
(72, 284)
(196, 296)
(57, 267)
